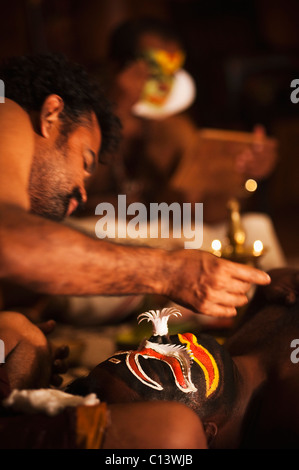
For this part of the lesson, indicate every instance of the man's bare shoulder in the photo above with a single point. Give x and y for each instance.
(12, 113)
(16, 152)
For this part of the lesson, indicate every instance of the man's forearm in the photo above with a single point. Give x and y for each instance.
(51, 258)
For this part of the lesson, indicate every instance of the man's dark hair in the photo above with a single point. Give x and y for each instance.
(30, 79)
(123, 43)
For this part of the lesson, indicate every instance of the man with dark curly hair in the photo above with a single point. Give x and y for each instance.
(53, 125)
(37, 84)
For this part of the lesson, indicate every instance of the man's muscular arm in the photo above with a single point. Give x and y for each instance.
(52, 258)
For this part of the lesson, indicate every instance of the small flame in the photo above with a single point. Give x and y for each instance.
(216, 245)
(251, 185)
(258, 247)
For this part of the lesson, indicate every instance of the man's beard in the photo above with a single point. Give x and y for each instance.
(49, 188)
(55, 207)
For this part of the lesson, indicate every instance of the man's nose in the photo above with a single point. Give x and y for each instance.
(83, 194)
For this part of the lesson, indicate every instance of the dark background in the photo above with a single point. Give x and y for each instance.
(243, 55)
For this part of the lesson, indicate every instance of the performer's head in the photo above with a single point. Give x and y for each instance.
(196, 371)
(130, 39)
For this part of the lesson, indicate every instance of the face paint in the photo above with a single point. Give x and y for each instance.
(176, 357)
(204, 359)
(180, 358)
(163, 62)
(163, 65)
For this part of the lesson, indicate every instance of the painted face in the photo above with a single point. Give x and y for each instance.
(59, 171)
(186, 360)
(187, 369)
(164, 58)
(194, 370)
(163, 65)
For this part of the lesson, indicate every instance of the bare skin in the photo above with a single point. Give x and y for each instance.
(64, 261)
(30, 360)
(168, 434)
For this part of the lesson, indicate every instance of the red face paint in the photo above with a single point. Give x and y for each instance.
(178, 357)
(204, 359)
(175, 357)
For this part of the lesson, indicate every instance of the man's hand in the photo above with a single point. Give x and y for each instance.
(195, 279)
(59, 355)
(260, 158)
(211, 285)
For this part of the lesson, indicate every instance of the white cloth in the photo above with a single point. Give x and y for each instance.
(48, 401)
(181, 97)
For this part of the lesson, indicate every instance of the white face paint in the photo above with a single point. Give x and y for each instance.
(175, 356)
(180, 358)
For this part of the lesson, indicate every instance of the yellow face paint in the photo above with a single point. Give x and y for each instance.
(204, 359)
(163, 65)
(167, 62)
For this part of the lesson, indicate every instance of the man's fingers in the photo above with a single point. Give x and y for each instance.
(47, 327)
(238, 287)
(221, 286)
(62, 352)
(221, 302)
(228, 288)
(56, 380)
(60, 366)
(249, 274)
(259, 134)
(228, 299)
(217, 310)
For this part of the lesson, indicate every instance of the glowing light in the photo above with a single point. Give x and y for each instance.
(216, 248)
(216, 245)
(258, 247)
(240, 238)
(251, 185)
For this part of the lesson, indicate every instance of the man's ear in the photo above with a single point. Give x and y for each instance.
(211, 430)
(51, 109)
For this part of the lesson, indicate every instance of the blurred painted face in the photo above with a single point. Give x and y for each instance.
(164, 58)
(60, 170)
